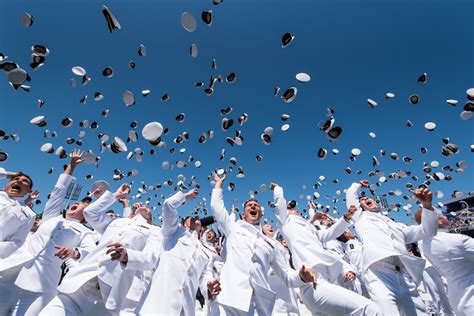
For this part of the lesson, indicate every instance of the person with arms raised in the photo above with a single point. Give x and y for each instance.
(103, 279)
(56, 239)
(249, 256)
(306, 244)
(390, 274)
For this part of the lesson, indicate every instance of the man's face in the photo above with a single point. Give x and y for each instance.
(252, 212)
(369, 204)
(192, 223)
(77, 211)
(18, 187)
(268, 230)
(145, 212)
(326, 222)
(210, 236)
(349, 235)
(443, 222)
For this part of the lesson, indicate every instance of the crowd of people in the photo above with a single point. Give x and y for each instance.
(54, 264)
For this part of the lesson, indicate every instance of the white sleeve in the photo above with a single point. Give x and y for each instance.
(427, 229)
(147, 258)
(281, 212)
(56, 201)
(95, 215)
(223, 219)
(3, 173)
(352, 198)
(170, 213)
(17, 238)
(334, 231)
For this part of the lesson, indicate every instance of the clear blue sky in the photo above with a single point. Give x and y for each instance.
(352, 50)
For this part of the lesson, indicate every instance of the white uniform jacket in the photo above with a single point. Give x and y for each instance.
(182, 268)
(306, 242)
(42, 269)
(382, 237)
(16, 220)
(453, 256)
(143, 244)
(249, 255)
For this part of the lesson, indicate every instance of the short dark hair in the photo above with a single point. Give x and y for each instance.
(109, 212)
(87, 199)
(21, 174)
(250, 200)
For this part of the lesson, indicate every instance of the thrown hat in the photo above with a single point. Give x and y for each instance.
(112, 22)
(188, 22)
(118, 145)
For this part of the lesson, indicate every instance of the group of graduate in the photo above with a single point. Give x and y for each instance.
(83, 259)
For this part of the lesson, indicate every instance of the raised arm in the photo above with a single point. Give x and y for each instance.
(94, 213)
(56, 202)
(281, 211)
(219, 211)
(147, 258)
(352, 197)
(429, 219)
(339, 226)
(170, 213)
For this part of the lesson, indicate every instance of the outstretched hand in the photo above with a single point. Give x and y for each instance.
(122, 191)
(191, 195)
(76, 158)
(350, 212)
(117, 252)
(213, 288)
(364, 183)
(308, 275)
(219, 180)
(425, 197)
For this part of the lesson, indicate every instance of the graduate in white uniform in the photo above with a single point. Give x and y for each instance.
(249, 256)
(453, 256)
(286, 299)
(306, 245)
(390, 274)
(16, 220)
(56, 240)
(101, 282)
(183, 266)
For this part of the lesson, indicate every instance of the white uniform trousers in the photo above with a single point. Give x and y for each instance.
(257, 308)
(85, 301)
(7, 284)
(434, 286)
(331, 299)
(30, 303)
(395, 292)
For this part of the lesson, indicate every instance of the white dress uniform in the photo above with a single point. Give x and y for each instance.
(453, 256)
(390, 274)
(41, 269)
(16, 220)
(249, 256)
(306, 245)
(434, 286)
(215, 263)
(99, 283)
(286, 302)
(182, 269)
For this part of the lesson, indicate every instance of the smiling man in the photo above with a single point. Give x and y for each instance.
(390, 273)
(250, 254)
(56, 240)
(16, 218)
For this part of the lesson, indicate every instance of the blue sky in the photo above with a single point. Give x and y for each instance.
(352, 50)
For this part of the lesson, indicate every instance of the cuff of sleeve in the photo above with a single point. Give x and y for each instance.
(64, 180)
(3, 173)
(134, 262)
